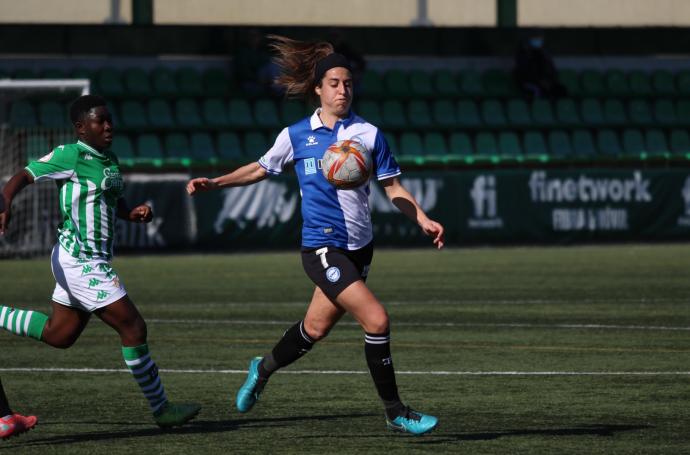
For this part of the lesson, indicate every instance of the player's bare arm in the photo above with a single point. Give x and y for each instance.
(139, 214)
(245, 175)
(407, 204)
(13, 186)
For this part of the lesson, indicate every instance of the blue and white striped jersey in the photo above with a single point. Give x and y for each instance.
(331, 217)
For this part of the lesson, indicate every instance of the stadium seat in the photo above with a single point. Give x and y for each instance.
(370, 110)
(485, 144)
(37, 146)
(533, 143)
(202, 148)
(109, 82)
(187, 113)
(592, 112)
(633, 142)
(509, 144)
(498, 83)
(571, 81)
(542, 113)
(372, 84)
(53, 73)
(640, 84)
(177, 145)
(229, 147)
(149, 146)
(25, 73)
(471, 84)
(160, 114)
(435, 144)
(664, 112)
(215, 112)
(239, 113)
(266, 113)
(215, 82)
(420, 84)
(444, 113)
(255, 144)
(411, 144)
(52, 114)
(639, 112)
(518, 112)
(663, 83)
(683, 112)
(393, 114)
(559, 144)
(133, 114)
(137, 82)
(583, 144)
(418, 114)
(608, 143)
(445, 83)
(396, 84)
(189, 82)
(122, 147)
(291, 111)
(680, 142)
(468, 114)
(460, 144)
(683, 82)
(567, 113)
(163, 82)
(614, 112)
(617, 83)
(392, 140)
(592, 83)
(492, 113)
(655, 141)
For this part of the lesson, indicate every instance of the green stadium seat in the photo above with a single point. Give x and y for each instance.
(471, 84)
(492, 113)
(485, 144)
(633, 142)
(663, 83)
(370, 110)
(559, 143)
(468, 114)
(160, 113)
(592, 83)
(418, 114)
(518, 112)
(421, 84)
(656, 142)
(229, 147)
(583, 144)
(680, 141)
(392, 140)
(639, 112)
(266, 113)
(149, 146)
(215, 112)
(542, 113)
(444, 113)
(396, 84)
(460, 144)
(137, 82)
(567, 113)
(498, 83)
(591, 111)
(202, 148)
(37, 146)
(372, 84)
(445, 83)
(683, 82)
(163, 82)
(133, 114)
(571, 81)
(393, 114)
(617, 83)
(52, 114)
(683, 112)
(435, 144)
(608, 143)
(664, 112)
(411, 144)
(614, 112)
(109, 82)
(640, 83)
(122, 147)
(187, 113)
(255, 144)
(177, 145)
(509, 144)
(239, 113)
(189, 82)
(292, 111)
(533, 143)
(216, 82)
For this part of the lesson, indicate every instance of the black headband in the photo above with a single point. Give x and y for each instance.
(331, 61)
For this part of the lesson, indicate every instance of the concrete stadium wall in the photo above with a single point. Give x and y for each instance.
(66, 11)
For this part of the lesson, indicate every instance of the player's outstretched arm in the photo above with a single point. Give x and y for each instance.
(245, 175)
(12, 187)
(407, 204)
(139, 214)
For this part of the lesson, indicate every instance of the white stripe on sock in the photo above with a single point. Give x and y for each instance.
(27, 321)
(10, 321)
(2, 316)
(135, 362)
(18, 322)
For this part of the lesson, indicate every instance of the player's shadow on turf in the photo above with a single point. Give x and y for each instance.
(194, 427)
(584, 430)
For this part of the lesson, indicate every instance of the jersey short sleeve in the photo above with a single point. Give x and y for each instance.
(386, 166)
(57, 165)
(279, 155)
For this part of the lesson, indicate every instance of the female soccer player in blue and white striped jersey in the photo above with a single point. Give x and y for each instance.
(337, 234)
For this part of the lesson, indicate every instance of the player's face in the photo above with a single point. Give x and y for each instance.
(335, 91)
(96, 128)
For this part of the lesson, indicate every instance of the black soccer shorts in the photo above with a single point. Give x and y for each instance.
(333, 269)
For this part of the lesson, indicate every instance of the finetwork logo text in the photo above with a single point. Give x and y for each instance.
(587, 189)
(484, 198)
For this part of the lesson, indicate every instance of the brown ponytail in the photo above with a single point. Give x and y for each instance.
(297, 61)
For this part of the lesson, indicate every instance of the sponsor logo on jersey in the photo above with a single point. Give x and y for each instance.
(112, 179)
(310, 166)
(311, 140)
(333, 274)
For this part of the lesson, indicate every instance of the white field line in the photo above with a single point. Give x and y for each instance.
(354, 372)
(432, 324)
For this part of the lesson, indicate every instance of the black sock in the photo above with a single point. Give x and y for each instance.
(294, 344)
(4, 405)
(377, 349)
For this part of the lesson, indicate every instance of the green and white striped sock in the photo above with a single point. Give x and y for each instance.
(23, 322)
(145, 373)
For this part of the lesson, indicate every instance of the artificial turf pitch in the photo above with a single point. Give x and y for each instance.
(516, 350)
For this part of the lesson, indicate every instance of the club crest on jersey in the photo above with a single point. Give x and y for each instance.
(112, 179)
(333, 274)
(309, 166)
(311, 140)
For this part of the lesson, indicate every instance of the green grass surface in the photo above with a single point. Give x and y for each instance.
(602, 309)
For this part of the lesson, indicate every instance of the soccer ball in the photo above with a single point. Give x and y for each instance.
(346, 164)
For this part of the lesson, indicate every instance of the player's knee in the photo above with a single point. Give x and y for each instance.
(59, 341)
(316, 331)
(377, 323)
(135, 332)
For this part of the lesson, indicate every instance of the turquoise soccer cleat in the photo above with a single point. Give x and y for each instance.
(412, 422)
(173, 415)
(250, 390)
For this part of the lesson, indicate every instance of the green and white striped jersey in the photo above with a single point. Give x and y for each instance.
(89, 185)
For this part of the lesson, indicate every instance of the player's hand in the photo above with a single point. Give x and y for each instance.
(5, 215)
(435, 230)
(141, 214)
(200, 184)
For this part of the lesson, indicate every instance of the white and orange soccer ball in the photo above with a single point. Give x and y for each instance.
(346, 164)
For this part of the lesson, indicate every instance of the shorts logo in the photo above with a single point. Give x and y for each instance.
(309, 166)
(333, 274)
